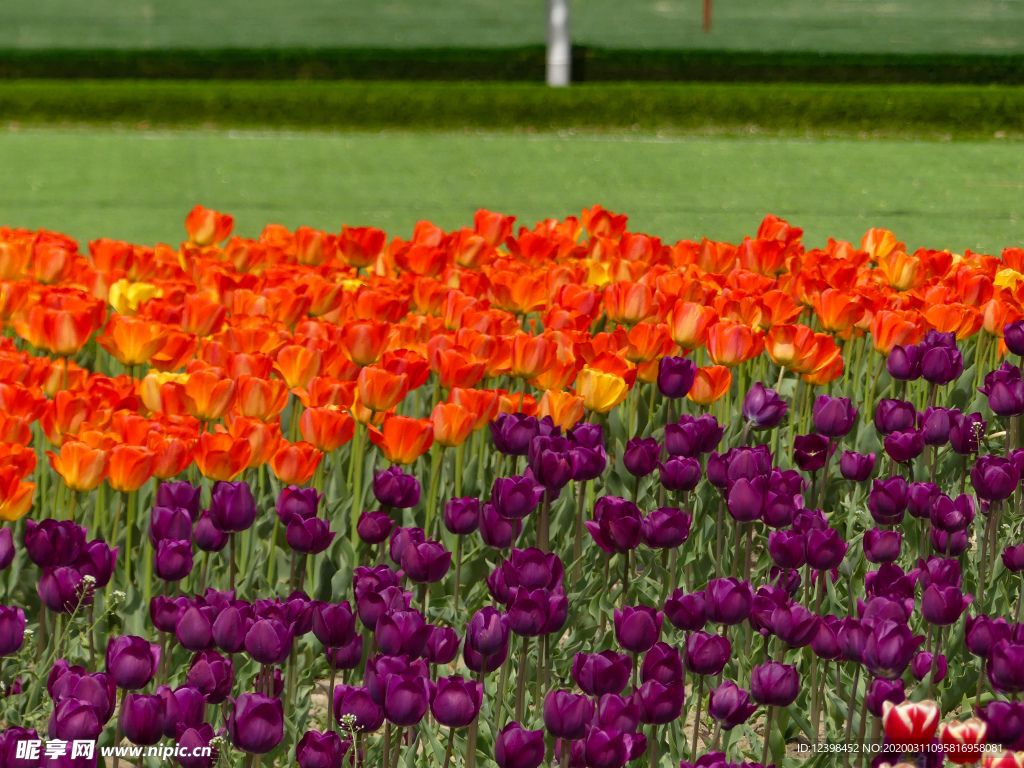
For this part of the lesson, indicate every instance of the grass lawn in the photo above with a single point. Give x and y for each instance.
(921, 26)
(138, 185)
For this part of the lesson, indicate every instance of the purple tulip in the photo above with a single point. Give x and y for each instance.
(686, 611)
(442, 645)
(706, 654)
(640, 456)
(6, 548)
(179, 495)
(549, 458)
(347, 656)
(606, 748)
(334, 625)
(487, 631)
(394, 489)
(194, 629)
(794, 625)
(371, 604)
(856, 467)
(889, 647)
(904, 447)
(941, 361)
(825, 642)
(1006, 666)
(515, 497)
(729, 705)
(269, 641)
(895, 416)
(462, 516)
(882, 546)
(1004, 390)
(142, 718)
(616, 524)
(213, 675)
(943, 604)
(207, 536)
(402, 633)
(132, 661)
(920, 499)
(517, 747)
(746, 498)
(74, 719)
(11, 737)
(1005, 722)
(887, 501)
(567, 714)
(426, 563)
(311, 535)
(587, 463)
(619, 713)
(53, 543)
(232, 506)
(169, 523)
(402, 538)
(951, 544)
(512, 433)
(811, 452)
(882, 690)
(692, 436)
(457, 701)
(600, 673)
(965, 431)
(665, 528)
(97, 560)
(320, 750)
(406, 698)
(374, 527)
(786, 548)
(356, 701)
(824, 549)
(12, 630)
(763, 408)
(531, 568)
(833, 416)
(662, 663)
(497, 531)
(925, 663)
(904, 362)
(982, 632)
(185, 706)
(951, 516)
(659, 704)
(675, 376)
(529, 611)
(679, 473)
(478, 663)
(256, 723)
(1013, 560)
(994, 478)
(728, 601)
(637, 628)
(774, 684)
(935, 426)
(172, 559)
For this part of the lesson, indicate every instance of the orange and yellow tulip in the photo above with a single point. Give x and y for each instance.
(531, 355)
(710, 384)
(453, 424)
(206, 227)
(129, 467)
(259, 398)
(730, 344)
(297, 365)
(837, 311)
(132, 342)
(81, 466)
(327, 428)
(688, 324)
(364, 341)
(295, 463)
(209, 394)
(263, 437)
(564, 408)
(15, 495)
(381, 390)
(221, 456)
(891, 328)
(482, 403)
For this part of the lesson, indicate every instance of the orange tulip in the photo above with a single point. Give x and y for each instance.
(28, 403)
(629, 303)
(837, 311)
(381, 390)
(710, 384)
(997, 315)
(132, 342)
(314, 247)
(960, 319)
(327, 428)
(206, 227)
(263, 437)
(221, 456)
(531, 355)
(889, 328)
(15, 495)
(902, 271)
(559, 375)
(823, 354)
(879, 243)
(482, 403)
(717, 258)
(295, 463)
(261, 399)
(60, 332)
(778, 308)
(364, 341)
(517, 293)
(493, 227)
(14, 429)
(171, 454)
(688, 324)
(202, 317)
(177, 349)
(209, 394)
(297, 365)
(648, 342)
(453, 424)
(457, 367)
(403, 439)
(20, 457)
(826, 373)
(165, 392)
(82, 467)
(730, 344)
(129, 468)
(564, 408)
(601, 223)
(360, 246)
(789, 346)
(323, 390)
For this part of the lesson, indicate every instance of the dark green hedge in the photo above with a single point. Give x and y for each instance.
(959, 110)
(512, 64)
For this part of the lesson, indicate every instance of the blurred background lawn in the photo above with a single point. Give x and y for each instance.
(138, 185)
(882, 26)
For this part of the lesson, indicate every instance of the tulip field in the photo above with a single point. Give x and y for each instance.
(560, 494)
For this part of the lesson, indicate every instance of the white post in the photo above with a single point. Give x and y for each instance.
(559, 45)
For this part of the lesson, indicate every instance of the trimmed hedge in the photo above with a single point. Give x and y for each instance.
(958, 110)
(511, 64)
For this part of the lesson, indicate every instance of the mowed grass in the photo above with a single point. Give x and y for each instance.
(922, 26)
(138, 185)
